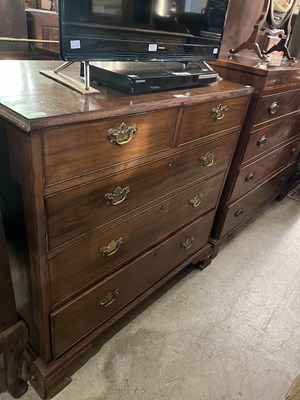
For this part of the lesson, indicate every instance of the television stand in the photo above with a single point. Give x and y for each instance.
(143, 77)
(76, 84)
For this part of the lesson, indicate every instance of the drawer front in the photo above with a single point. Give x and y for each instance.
(78, 149)
(239, 211)
(263, 140)
(277, 105)
(72, 322)
(200, 121)
(80, 266)
(77, 211)
(254, 173)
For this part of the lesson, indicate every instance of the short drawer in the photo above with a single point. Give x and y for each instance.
(239, 211)
(83, 265)
(75, 150)
(208, 119)
(79, 317)
(76, 211)
(277, 105)
(263, 140)
(251, 175)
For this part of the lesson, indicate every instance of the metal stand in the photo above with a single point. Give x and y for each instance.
(71, 82)
(86, 71)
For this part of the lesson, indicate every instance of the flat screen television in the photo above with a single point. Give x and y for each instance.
(141, 30)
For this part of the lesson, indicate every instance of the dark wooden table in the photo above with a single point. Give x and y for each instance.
(13, 333)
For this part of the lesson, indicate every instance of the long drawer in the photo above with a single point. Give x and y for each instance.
(74, 212)
(75, 150)
(277, 105)
(241, 210)
(82, 265)
(251, 175)
(263, 140)
(216, 116)
(72, 322)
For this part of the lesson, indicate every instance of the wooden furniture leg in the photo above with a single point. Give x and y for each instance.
(12, 344)
(13, 333)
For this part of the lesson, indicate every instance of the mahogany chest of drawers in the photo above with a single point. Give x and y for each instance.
(118, 192)
(269, 143)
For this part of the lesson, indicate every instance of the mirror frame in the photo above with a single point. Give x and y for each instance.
(271, 17)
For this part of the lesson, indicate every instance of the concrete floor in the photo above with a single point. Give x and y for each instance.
(230, 332)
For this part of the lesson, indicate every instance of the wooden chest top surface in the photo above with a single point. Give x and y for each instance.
(31, 101)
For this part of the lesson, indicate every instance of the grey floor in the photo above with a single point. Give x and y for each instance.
(230, 332)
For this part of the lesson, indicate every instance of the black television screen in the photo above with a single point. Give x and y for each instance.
(143, 30)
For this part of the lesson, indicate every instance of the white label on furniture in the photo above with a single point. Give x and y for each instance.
(75, 44)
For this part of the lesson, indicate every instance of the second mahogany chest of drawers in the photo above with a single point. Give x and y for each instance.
(269, 143)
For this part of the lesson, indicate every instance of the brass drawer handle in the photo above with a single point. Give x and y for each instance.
(218, 113)
(109, 298)
(274, 107)
(207, 160)
(187, 244)
(111, 248)
(196, 200)
(249, 177)
(118, 195)
(262, 141)
(239, 212)
(121, 135)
